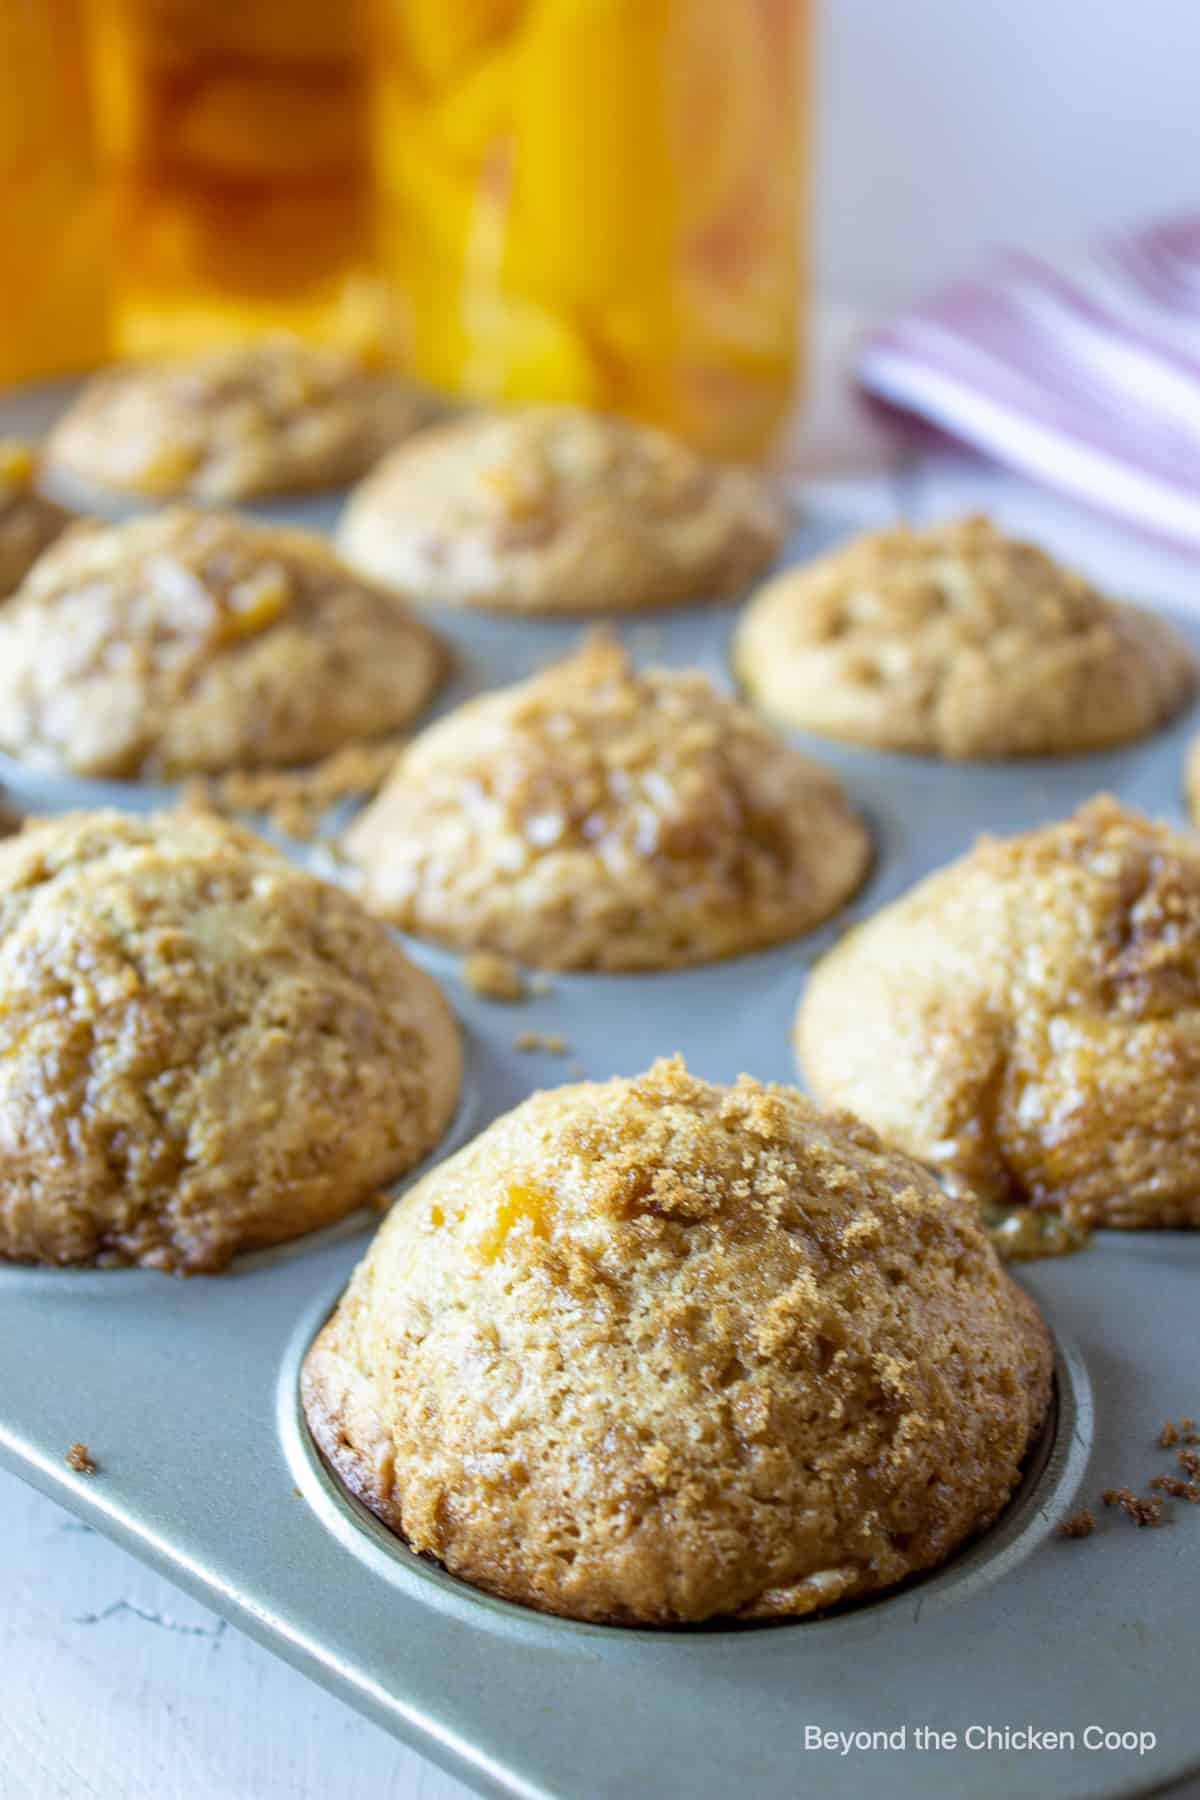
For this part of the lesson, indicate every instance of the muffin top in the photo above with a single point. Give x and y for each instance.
(258, 418)
(958, 641)
(188, 641)
(595, 817)
(29, 522)
(202, 1049)
(1028, 1020)
(656, 1350)
(554, 509)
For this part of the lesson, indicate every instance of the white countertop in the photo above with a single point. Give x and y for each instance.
(115, 1684)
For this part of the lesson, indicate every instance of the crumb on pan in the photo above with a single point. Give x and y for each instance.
(1081, 1524)
(79, 1458)
(549, 1041)
(296, 801)
(494, 977)
(1177, 1487)
(1138, 1507)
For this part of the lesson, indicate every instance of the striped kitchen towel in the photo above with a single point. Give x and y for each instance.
(1086, 376)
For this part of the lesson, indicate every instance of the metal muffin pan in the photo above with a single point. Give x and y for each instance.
(186, 1393)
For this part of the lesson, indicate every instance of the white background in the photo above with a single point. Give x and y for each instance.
(944, 127)
(947, 126)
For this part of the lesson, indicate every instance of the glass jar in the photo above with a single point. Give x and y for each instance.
(588, 200)
(54, 299)
(235, 148)
(598, 201)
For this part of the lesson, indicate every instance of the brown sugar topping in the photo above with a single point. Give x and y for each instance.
(80, 1458)
(494, 977)
(297, 802)
(1141, 1510)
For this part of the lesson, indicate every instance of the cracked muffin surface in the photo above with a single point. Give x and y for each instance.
(958, 641)
(203, 1049)
(29, 522)
(658, 1350)
(188, 641)
(1027, 1020)
(596, 817)
(270, 417)
(554, 509)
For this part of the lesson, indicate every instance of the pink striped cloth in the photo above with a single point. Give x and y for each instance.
(1087, 377)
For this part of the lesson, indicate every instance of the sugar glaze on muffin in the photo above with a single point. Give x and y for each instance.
(1027, 1020)
(202, 1048)
(269, 417)
(29, 521)
(958, 641)
(554, 509)
(188, 641)
(596, 817)
(655, 1350)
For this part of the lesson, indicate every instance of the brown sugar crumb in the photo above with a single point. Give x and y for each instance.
(295, 801)
(1168, 1436)
(1177, 1488)
(494, 977)
(1142, 1510)
(1024, 1233)
(1081, 1524)
(1189, 1462)
(549, 1041)
(79, 1458)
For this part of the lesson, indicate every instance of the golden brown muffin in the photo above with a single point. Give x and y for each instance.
(1191, 781)
(202, 1049)
(188, 642)
(1028, 1020)
(554, 509)
(596, 818)
(655, 1350)
(957, 641)
(271, 417)
(28, 521)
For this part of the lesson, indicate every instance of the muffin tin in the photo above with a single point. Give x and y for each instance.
(186, 1394)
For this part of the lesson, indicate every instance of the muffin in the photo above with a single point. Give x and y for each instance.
(271, 417)
(199, 642)
(549, 509)
(598, 818)
(1027, 1020)
(656, 1351)
(957, 641)
(203, 1050)
(1191, 781)
(29, 522)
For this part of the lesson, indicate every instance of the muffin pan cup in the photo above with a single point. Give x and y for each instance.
(186, 1394)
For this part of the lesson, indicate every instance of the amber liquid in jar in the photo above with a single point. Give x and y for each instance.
(598, 201)
(235, 152)
(54, 298)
